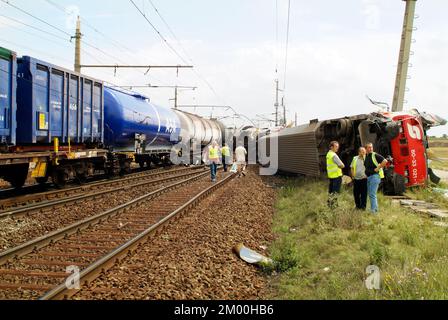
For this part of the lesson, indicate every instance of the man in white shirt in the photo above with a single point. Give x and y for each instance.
(240, 156)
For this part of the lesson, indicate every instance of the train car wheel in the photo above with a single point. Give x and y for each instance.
(399, 183)
(394, 185)
(81, 178)
(342, 127)
(90, 169)
(81, 174)
(43, 180)
(59, 178)
(126, 167)
(18, 176)
(18, 181)
(167, 162)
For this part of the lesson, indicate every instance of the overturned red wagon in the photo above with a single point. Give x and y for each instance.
(401, 137)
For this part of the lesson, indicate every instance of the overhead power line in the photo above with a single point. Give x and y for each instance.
(287, 44)
(63, 31)
(276, 38)
(202, 78)
(35, 28)
(63, 41)
(57, 28)
(158, 32)
(37, 18)
(170, 30)
(114, 42)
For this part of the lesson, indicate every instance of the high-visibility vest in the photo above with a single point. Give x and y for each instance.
(381, 172)
(333, 169)
(213, 153)
(354, 164)
(225, 151)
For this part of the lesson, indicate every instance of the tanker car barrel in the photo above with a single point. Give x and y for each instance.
(129, 116)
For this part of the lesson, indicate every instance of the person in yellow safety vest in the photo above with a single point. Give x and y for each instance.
(359, 179)
(334, 172)
(225, 152)
(375, 164)
(213, 158)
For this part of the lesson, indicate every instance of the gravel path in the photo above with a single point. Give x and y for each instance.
(193, 258)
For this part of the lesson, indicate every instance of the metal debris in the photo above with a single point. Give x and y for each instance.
(425, 208)
(251, 256)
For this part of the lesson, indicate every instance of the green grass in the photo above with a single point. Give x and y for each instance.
(441, 163)
(323, 254)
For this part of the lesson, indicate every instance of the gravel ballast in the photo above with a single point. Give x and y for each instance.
(192, 258)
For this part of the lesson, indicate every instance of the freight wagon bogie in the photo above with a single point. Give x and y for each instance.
(73, 171)
(153, 160)
(60, 167)
(16, 174)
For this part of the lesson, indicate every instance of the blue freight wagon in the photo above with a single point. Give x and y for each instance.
(59, 124)
(135, 126)
(51, 122)
(53, 102)
(8, 65)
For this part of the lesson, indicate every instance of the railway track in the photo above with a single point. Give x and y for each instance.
(10, 197)
(22, 224)
(8, 206)
(38, 269)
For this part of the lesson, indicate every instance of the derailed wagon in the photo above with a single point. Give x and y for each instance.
(400, 137)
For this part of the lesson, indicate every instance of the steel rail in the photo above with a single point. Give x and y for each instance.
(103, 264)
(24, 210)
(50, 238)
(9, 202)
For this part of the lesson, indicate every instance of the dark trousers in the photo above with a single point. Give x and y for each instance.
(360, 193)
(225, 163)
(213, 170)
(334, 189)
(335, 185)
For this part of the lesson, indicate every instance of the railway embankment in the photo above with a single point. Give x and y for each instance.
(192, 258)
(329, 254)
(318, 253)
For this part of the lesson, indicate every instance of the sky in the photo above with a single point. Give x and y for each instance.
(339, 51)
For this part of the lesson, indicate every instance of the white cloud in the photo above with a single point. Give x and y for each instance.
(326, 78)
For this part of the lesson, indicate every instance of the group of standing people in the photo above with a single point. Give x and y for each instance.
(217, 155)
(367, 170)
